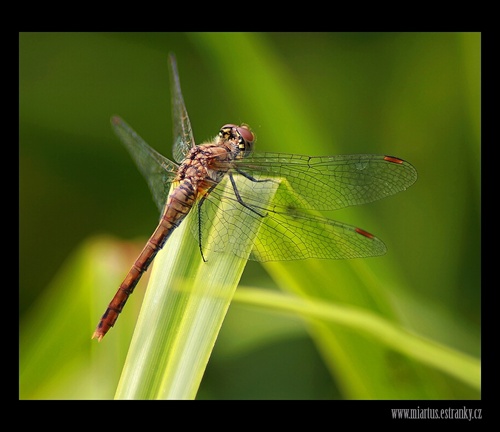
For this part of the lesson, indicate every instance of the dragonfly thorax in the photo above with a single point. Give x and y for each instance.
(207, 162)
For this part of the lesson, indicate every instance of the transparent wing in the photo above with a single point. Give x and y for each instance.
(183, 134)
(285, 237)
(157, 169)
(331, 182)
(282, 235)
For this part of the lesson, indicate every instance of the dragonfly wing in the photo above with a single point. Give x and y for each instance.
(183, 134)
(224, 225)
(332, 182)
(284, 237)
(157, 169)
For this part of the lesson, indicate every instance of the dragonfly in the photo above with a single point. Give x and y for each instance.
(225, 173)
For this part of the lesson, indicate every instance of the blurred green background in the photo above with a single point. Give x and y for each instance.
(411, 95)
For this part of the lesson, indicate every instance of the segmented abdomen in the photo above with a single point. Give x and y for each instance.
(178, 206)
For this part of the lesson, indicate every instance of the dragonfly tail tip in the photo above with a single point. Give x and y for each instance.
(97, 336)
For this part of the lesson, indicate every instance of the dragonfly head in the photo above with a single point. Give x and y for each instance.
(241, 136)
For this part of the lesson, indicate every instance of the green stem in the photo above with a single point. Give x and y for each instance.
(455, 363)
(182, 312)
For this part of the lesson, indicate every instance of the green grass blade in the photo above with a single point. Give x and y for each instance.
(459, 365)
(182, 313)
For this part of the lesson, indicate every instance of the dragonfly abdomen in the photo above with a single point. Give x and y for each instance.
(178, 206)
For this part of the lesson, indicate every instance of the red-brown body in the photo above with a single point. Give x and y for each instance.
(203, 167)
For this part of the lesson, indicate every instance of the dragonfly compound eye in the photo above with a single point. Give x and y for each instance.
(245, 132)
(246, 138)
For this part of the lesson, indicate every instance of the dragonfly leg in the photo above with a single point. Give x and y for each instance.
(238, 197)
(249, 177)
